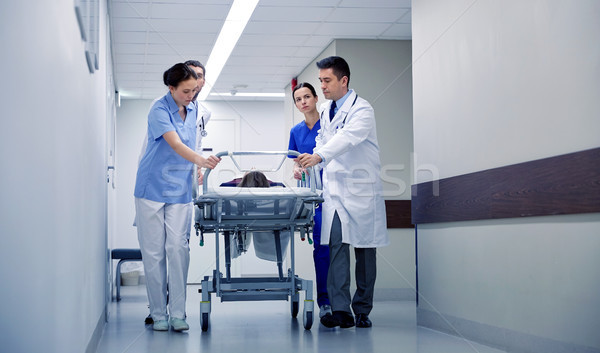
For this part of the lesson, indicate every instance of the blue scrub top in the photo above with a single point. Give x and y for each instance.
(302, 139)
(163, 175)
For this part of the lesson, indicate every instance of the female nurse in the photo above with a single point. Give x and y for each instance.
(163, 195)
(302, 139)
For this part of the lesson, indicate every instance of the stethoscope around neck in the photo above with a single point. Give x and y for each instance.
(344, 121)
(203, 132)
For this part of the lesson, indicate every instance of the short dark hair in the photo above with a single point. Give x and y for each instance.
(196, 63)
(178, 73)
(304, 84)
(254, 179)
(338, 64)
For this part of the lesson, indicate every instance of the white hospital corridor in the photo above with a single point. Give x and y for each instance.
(332, 176)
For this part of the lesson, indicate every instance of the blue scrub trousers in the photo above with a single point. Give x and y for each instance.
(321, 260)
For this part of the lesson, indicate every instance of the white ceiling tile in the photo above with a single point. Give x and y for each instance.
(242, 61)
(122, 37)
(182, 38)
(120, 48)
(270, 27)
(353, 30)
(198, 12)
(129, 24)
(250, 77)
(281, 38)
(182, 50)
(300, 62)
(203, 2)
(240, 71)
(367, 15)
(129, 58)
(376, 3)
(272, 39)
(161, 59)
(259, 51)
(129, 9)
(162, 25)
(317, 40)
(112, 2)
(289, 14)
(407, 18)
(184, 25)
(313, 4)
(398, 31)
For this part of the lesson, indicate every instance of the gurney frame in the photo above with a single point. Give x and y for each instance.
(293, 210)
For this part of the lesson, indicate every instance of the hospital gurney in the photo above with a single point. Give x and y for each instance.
(239, 211)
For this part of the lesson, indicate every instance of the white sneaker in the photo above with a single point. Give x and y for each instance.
(324, 310)
(160, 325)
(179, 324)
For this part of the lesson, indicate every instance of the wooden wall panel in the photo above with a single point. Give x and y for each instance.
(398, 214)
(565, 184)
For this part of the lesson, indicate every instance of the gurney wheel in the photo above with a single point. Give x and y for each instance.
(204, 321)
(295, 307)
(308, 319)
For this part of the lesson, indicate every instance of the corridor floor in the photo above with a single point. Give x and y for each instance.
(267, 326)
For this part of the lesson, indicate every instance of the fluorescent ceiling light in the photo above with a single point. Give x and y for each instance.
(234, 25)
(248, 94)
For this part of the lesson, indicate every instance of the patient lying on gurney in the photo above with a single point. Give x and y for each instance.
(264, 241)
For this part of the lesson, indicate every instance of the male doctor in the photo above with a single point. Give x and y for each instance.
(354, 209)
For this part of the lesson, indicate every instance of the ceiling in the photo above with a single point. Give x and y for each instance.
(280, 40)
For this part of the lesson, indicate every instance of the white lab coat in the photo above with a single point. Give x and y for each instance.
(351, 177)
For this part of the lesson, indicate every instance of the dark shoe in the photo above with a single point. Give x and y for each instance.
(344, 318)
(149, 320)
(329, 321)
(362, 320)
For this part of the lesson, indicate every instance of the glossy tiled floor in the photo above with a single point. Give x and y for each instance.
(268, 327)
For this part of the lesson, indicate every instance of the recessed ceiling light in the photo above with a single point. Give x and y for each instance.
(232, 29)
(248, 94)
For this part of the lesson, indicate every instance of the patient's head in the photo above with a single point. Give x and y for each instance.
(254, 179)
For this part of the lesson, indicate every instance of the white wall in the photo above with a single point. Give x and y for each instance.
(53, 252)
(497, 83)
(380, 72)
(535, 276)
(504, 83)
